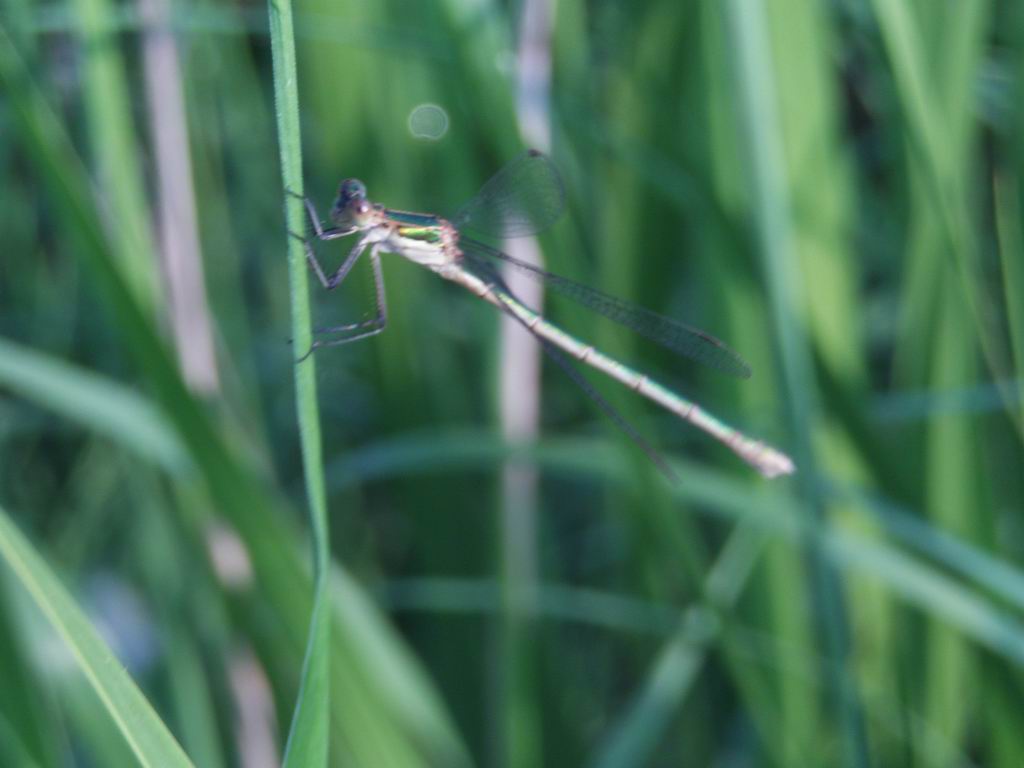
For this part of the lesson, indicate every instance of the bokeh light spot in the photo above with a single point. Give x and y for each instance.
(428, 121)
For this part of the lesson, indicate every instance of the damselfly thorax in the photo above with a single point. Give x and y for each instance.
(423, 239)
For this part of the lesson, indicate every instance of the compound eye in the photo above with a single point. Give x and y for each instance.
(352, 189)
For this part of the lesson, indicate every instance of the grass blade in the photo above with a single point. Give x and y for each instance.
(982, 619)
(772, 207)
(307, 738)
(680, 660)
(23, 717)
(94, 402)
(111, 131)
(141, 727)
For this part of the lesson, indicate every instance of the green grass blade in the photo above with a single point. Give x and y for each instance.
(1011, 257)
(308, 736)
(112, 137)
(13, 751)
(772, 201)
(936, 59)
(679, 661)
(1008, 201)
(717, 494)
(140, 726)
(111, 409)
(672, 675)
(25, 735)
(89, 725)
(940, 139)
(401, 683)
(946, 599)
(556, 602)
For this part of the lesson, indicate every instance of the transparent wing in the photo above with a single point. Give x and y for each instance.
(523, 198)
(681, 339)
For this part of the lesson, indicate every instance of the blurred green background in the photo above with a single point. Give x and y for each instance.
(834, 188)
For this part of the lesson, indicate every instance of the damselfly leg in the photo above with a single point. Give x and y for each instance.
(369, 327)
(366, 328)
(332, 233)
(322, 233)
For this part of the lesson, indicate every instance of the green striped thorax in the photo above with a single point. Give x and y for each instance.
(424, 227)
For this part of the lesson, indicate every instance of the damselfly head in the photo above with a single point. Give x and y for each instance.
(351, 189)
(351, 208)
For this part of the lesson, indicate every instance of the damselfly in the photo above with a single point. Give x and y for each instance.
(524, 198)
